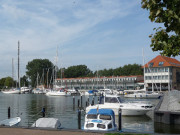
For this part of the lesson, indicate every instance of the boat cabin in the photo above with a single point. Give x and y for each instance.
(100, 119)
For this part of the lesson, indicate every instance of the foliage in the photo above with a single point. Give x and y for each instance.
(130, 69)
(39, 67)
(76, 71)
(9, 82)
(2, 81)
(166, 40)
(24, 81)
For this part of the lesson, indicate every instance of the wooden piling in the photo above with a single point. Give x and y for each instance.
(73, 102)
(119, 120)
(9, 112)
(79, 119)
(81, 102)
(78, 103)
(43, 112)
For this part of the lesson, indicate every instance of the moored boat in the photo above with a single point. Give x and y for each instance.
(11, 122)
(47, 123)
(100, 119)
(143, 94)
(115, 103)
(11, 91)
(58, 92)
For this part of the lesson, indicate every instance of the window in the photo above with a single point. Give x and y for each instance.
(111, 100)
(91, 116)
(105, 117)
(110, 126)
(166, 69)
(166, 77)
(101, 126)
(89, 125)
(161, 63)
(151, 64)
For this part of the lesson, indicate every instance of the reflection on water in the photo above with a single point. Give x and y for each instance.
(132, 124)
(29, 106)
(165, 128)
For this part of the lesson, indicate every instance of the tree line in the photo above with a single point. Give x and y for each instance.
(43, 71)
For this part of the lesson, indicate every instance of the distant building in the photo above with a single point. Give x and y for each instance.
(113, 82)
(162, 73)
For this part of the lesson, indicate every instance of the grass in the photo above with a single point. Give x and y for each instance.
(124, 134)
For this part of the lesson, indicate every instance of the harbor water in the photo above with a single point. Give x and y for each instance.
(29, 107)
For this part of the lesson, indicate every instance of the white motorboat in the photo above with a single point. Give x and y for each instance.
(58, 92)
(38, 91)
(91, 92)
(25, 89)
(100, 119)
(47, 123)
(142, 94)
(11, 91)
(74, 92)
(11, 122)
(115, 103)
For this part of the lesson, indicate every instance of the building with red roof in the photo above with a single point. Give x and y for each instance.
(111, 82)
(162, 73)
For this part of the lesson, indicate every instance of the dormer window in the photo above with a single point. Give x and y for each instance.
(151, 64)
(161, 63)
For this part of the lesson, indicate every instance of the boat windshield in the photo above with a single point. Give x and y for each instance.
(91, 116)
(105, 117)
(111, 100)
(120, 100)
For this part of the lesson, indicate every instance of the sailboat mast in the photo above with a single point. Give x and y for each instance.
(144, 67)
(12, 71)
(18, 64)
(56, 66)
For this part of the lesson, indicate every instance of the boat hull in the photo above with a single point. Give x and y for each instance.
(11, 92)
(57, 93)
(11, 122)
(143, 96)
(117, 109)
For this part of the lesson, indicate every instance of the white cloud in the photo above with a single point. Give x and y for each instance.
(42, 25)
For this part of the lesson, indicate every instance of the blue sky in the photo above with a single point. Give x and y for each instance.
(98, 33)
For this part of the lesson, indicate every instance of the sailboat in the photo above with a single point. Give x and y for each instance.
(57, 91)
(143, 93)
(14, 90)
(16, 120)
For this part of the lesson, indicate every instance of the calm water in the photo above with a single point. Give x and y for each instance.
(29, 106)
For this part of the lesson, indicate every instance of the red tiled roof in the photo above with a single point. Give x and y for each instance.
(168, 62)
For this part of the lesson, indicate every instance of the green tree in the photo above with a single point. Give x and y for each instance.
(24, 81)
(8, 82)
(167, 39)
(77, 71)
(2, 81)
(130, 69)
(39, 67)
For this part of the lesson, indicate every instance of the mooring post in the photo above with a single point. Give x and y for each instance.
(9, 112)
(93, 101)
(73, 102)
(88, 100)
(43, 111)
(119, 120)
(81, 102)
(78, 103)
(79, 119)
(86, 103)
(98, 100)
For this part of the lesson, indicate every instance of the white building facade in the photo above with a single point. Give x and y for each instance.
(162, 73)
